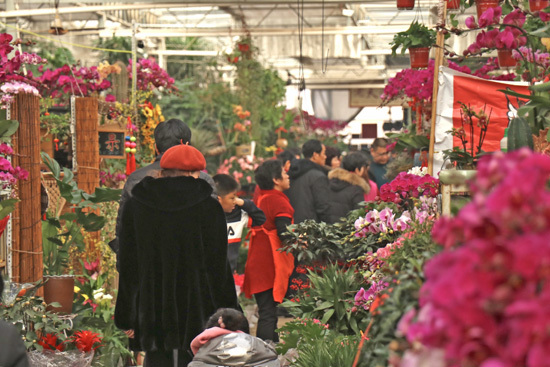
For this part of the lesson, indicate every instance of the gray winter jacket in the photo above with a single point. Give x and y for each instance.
(235, 349)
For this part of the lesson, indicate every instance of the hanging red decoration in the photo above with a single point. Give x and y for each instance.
(130, 149)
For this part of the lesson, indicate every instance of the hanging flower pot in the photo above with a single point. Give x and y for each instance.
(482, 5)
(537, 5)
(405, 4)
(505, 59)
(453, 4)
(419, 57)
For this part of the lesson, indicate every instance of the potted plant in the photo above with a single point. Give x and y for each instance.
(418, 39)
(405, 4)
(61, 233)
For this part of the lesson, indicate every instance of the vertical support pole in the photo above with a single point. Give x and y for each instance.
(440, 42)
(87, 143)
(27, 226)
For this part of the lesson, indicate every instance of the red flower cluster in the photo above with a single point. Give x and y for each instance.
(406, 186)
(83, 340)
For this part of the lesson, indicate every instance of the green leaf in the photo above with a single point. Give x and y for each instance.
(7, 128)
(328, 314)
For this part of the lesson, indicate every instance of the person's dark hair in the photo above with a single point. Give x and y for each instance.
(286, 156)
(266, 172)
(331, 152)
(310, 147)
(379, 143)
(354, 160)
(225, 184)
(232, 319)
(295, 151)
(171, 133)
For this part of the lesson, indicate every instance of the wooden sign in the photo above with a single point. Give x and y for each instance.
(111, 141)
(368, 97)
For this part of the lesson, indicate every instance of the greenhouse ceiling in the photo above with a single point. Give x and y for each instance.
(339, 45)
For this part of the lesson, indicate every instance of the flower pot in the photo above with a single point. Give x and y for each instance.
(537, 5)
(453, 4)
(419, 57)
(505, 59)
(243, 149)
(47, 358)
(482, 5)
(405, 4)
(60, 289)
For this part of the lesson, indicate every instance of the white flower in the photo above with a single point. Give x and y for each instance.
(418, 171)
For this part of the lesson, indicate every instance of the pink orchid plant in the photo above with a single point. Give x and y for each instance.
(485, 299)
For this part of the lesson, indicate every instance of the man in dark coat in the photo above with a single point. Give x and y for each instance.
(174, 271)
(309, 191)
(347, 184)
(167, 134)
(380, 159)
(12, 350)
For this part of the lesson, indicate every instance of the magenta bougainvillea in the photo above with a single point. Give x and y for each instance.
(485, 299)
(407, 186)
(150, 76)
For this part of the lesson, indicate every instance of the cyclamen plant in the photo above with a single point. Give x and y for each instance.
(484, 302)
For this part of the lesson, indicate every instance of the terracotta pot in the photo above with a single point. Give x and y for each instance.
(536, 5)
(60, 289)
(453, 4)
(419, 57)
(482, 5)
(505, 59)
(281, 143)
(405, 4)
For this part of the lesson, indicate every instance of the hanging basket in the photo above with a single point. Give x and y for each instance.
(505, 59)
(482, 5)
(59, 289)
(453, 4)
(419, 57)
(72, 358)
(537, 5)
(405, 4)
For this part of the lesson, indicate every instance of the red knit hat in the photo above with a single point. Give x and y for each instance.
(183, 157)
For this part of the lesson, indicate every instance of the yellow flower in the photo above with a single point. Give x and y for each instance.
(85, 297)
(76, 289)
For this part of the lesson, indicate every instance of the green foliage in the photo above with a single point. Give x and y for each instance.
(519, 134)
(197, 67)
(418, 35)
(7, 127)
(116, 43)
(57, 56)
(317, 346)
(330, 300)
(59, 234)
(28, 314)
(409, 140)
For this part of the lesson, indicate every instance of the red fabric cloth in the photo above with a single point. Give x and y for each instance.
(207, 335)
(260, 265)
(373, 191)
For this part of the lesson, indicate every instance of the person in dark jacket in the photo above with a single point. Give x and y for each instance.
(309, 191)
(174, 271)
(12, 350)
(167, 134)
(380, 159)
(347, 184)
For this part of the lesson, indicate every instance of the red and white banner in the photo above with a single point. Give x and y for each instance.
(478, 94)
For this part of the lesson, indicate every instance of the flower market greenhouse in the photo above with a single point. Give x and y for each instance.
(308, 183)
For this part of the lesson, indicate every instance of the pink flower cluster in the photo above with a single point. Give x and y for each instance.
(418, 83)
(507, 38)
(485, 302)
(406, 186)
(364, 298)
(242, 169)
(381, 222)
(8, 174)
(11, 77)
(320, 126)
(150, 76)
(75, 80)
